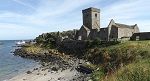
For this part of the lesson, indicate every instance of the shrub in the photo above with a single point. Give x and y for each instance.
(98, 74)
(47, 40)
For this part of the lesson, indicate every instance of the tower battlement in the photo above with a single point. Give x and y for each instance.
(91, 18)
(91, 9)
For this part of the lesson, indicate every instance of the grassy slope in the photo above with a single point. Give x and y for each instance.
(128, 61)
(137, 71)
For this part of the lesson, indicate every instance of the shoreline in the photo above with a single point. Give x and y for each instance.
(50, 72)
(21, 70)
(20, 73)
(47, 75)
(52, 67)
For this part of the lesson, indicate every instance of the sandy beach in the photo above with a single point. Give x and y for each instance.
(39, 75)
(53, 71)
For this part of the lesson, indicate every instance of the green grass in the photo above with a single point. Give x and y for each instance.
(133, 56)
(98, 74)
(123, 52)
(139, 71)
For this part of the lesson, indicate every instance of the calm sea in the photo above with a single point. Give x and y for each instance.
(11, 65)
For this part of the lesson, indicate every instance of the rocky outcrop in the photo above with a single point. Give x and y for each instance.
(55, 61)
(44, 55)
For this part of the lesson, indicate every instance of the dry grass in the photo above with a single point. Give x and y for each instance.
(33, 49)
(139, 71)
(132, 57)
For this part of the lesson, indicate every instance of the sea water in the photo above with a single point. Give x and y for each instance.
(11, 65)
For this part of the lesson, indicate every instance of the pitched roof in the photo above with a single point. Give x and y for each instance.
(124, 26)
(112, 22)
(86, 28)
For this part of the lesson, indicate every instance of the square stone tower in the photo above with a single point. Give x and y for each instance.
(91, 18)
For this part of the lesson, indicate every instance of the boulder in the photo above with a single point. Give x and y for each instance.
(84, 69)
(28, 72)
(54, 69)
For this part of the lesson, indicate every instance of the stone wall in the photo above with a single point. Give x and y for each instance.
(141, 36)
(113, 33)
(83, 33)
(93, 34)
(119, 33)
(74, 44)
(103, 34)
(91, 18)
(125, 32)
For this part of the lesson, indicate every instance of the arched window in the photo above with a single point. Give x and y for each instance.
(96, 15)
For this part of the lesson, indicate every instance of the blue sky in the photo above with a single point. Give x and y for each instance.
(26, 19)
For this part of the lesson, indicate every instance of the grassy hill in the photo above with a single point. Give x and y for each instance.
(128, 61)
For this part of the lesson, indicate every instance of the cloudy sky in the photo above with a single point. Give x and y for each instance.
(26, 19)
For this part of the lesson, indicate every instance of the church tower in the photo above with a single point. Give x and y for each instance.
(91, 18)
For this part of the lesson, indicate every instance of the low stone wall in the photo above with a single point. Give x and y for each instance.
(74, 44)
(141, 36)
(73, 47)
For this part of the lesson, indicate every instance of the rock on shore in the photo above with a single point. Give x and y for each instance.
(54, 67)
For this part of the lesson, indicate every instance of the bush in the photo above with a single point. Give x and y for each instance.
(101, 44)
(47, 40)
(98, 74)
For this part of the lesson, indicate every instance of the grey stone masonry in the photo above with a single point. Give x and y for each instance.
(91, 29)
(91, 18)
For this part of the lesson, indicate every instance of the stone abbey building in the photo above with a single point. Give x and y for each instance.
(114, 31)
(91, 30)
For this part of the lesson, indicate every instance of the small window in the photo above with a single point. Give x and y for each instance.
(87, 15)
(137, 37)
(80, 38)
(96, 15)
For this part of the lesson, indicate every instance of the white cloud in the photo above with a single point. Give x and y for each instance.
(46, 12)
(47, 15)
(24, 4)
(128, 12)
(56, 15)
